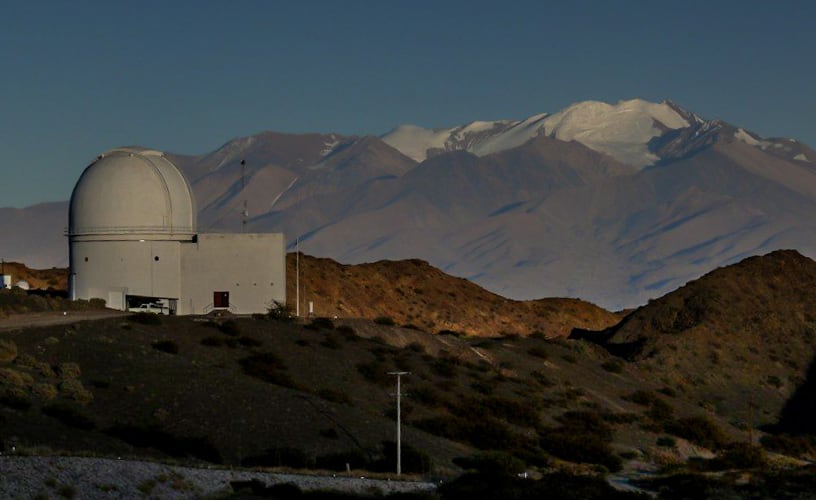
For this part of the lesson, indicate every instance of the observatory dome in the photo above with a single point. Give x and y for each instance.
(132, 192)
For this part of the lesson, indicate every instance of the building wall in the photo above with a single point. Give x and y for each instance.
(251, 267)
(106, 269)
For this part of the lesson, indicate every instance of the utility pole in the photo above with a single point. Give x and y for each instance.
(244, 212)
(297, 276)
(399, 430)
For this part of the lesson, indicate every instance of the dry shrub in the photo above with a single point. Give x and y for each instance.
(8, 350)
(68, 371)
(15, 378)
(74, 389)
(44, 391)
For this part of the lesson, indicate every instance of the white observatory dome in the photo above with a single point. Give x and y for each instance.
(133, 193)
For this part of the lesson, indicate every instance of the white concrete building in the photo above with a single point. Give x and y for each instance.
(133, 241)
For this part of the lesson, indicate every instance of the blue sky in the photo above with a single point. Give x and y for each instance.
(78, 78)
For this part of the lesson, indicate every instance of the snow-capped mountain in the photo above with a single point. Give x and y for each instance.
(615, 204)
(623, 131)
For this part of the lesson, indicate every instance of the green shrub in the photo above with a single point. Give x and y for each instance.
(427, 396)
(484, 432)
(569, 358)
(167, 346)
(541, 378)
(279, 311)
(414, 461)
(444, 367)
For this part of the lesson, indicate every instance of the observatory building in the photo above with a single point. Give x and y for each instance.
(133, 242)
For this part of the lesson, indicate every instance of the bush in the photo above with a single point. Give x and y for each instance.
(641, 397)
(739, 456)
(375, 372)
(699, 430)
(320, 323)
(334, 396)
(168, 346)
(249, 342)
(279, 311)
(413, 460)
(666, 442)
(583, 437)
(613, 366)
(15, 399)
(384, 320)
(484, 432)
(492, 463)
(69, 415)
(145, 318)
(212, 341)
(356, 459)
(280, 457)
(8, 350)
(230, 327)
(268, 367)
(538, 352)
(175, 446)
(803, 446)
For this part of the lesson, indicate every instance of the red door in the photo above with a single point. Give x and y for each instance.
(221, 300)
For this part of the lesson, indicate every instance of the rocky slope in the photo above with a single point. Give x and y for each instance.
(412, 292)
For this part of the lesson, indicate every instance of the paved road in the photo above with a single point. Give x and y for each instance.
(18, 321)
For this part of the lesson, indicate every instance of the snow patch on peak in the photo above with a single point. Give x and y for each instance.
(801, 157)
(330, 145)
(747, 138)
(414, 141)
(621, 130)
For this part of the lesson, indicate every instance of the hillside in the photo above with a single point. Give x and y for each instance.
(412, 292)
(739, 334)
(56, 278)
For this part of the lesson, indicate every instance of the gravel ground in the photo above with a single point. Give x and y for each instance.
(80, 477)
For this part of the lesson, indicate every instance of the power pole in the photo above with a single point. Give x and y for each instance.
(399, 416)
(297, 276)
(244, 212)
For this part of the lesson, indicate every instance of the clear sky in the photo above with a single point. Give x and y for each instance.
(80, 77)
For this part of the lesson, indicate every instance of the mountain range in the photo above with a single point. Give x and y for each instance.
(614, 204)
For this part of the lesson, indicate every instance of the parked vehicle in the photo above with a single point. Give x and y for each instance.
(153, 308)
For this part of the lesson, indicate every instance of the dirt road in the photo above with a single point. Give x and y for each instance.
(19, 321)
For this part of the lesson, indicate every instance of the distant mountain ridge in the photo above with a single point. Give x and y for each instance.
(612, 203)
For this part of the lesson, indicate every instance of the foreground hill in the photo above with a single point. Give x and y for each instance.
(738, 335)
(414, 293)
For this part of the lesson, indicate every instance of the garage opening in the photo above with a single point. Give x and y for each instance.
(157, 305)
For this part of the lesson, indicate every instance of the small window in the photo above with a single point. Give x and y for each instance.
(86, 259)
(156, 258)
